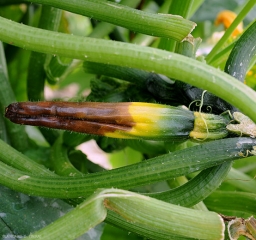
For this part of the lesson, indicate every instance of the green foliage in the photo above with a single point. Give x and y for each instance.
(50, 182)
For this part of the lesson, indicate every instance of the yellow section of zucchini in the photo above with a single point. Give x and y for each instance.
(145, 116)
(156, 122)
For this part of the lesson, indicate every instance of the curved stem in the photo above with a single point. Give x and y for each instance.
(123, 54)
(154, 170)
(16, 134)
(160, 25)
(50, 19)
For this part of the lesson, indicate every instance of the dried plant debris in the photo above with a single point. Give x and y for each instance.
(244, 126)
(241, 227)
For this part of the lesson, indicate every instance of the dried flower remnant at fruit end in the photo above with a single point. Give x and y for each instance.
(89, 117)
(226, 18)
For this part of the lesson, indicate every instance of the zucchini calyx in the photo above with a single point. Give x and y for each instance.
(208, 126)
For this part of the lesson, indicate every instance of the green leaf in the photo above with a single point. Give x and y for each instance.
(21, 214)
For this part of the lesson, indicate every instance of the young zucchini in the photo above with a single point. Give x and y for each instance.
(133, 120)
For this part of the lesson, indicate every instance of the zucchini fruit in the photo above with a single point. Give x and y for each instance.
(133, 120)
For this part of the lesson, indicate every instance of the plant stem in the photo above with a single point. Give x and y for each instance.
(135, 20)
(50, 19)
(60, 161)
(168, 218)
(76, 222)
(176, 221)
(3, 131)
(196, 4)
(198, 188)
(180, 8)
(124, 54)
(103, 29)
(242, 181)
(16, 134)
(21, 162)
(221, 56)
(228, 201)
(242, 54)
(9, 2)
(157, 169)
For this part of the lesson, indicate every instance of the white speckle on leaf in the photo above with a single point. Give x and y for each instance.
(115, 6)
(2, 215)
(55, 205)
(24, 198)
(23, 177)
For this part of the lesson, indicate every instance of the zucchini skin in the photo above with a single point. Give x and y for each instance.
(165, 91)
(211, 102)
(130, 120)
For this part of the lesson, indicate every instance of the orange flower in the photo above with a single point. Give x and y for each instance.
(226, 18)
